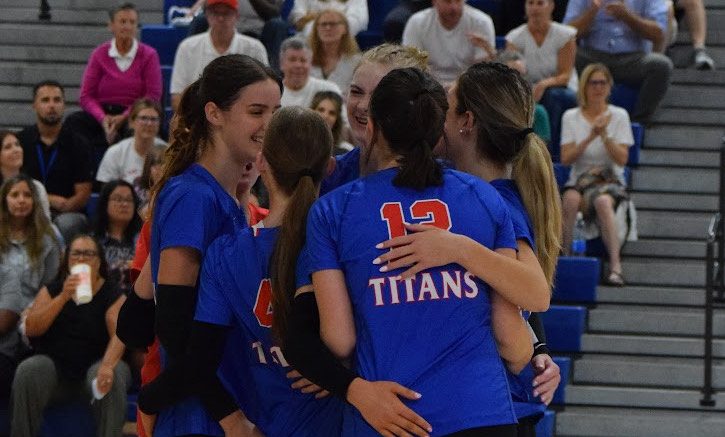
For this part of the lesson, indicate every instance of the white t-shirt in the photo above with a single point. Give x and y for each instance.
(196, 52)
(356, 12)
(303, 96)
(449, 51)
(342, 74)
(542, 61)
(121, 161)
(575, 128)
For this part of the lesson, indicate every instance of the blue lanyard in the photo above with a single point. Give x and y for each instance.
(41, 162)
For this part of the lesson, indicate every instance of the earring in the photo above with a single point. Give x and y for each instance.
(460, 131)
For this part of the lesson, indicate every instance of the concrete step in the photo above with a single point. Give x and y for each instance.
(627, 422)
(103, 5)
(645, 371)
(695, 77)
(688, 138)
(698, 117)
(678, 180)
(50, 35)
(692, 96)
(649, 345)
(678, 158)
(644, 295)
(41, 54)
(668, 224)
(25, 73)
(72, 16)
(24, 94)
(640, 398)
(14, 114)
(682, 53)
(675, 201)
(686, 273)
(665, 249)
(648, 320)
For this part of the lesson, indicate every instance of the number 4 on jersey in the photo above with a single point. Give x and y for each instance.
(263, 305)
(431, 212)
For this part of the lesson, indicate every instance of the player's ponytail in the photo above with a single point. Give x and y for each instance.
(297, 147)
(408, 109)
(502, 105)
(221, 83)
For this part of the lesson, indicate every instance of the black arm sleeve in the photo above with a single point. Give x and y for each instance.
(307, 353)
(206, 348)
(135, 326)
(538, 327)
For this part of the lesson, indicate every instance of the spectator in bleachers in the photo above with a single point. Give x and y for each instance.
(119, 72)
(54, 155)
(694, 11)
(335, 53)
(329, 105)
(74, 345)
(549, 49)
(305, 12)
(11, 161)
(595, 139)
(455, 36)
(257, 18)
(11, 307)
(195, 52)
(542, 125)
(116, 227)
(513, 14)
(395, 21)
(151, 173)
(621, 35)
(296, 63)
(125, 159)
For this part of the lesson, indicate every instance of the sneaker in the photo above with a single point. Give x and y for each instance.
(703, 61)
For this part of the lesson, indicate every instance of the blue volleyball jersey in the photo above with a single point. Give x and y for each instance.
(431, 333)
(191, 211)
(347, 169)
(521, 385)
(235, 290)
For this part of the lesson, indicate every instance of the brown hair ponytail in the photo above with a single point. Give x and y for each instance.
(297, 147)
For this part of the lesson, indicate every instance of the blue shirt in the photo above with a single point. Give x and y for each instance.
(611, 35)
(522, 390)
(191, 211)
(347, 169)
(431, 333)
(235, 291)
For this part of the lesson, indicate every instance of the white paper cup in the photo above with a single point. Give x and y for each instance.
(83, 293)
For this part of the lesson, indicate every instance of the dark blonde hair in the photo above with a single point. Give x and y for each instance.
(297, 147)
(503, 107)
(589, 70)
(37, 225)
(336, 100)
(221, 83)
(348, 45)
(145, 103)
(396, 55)
(155, 156)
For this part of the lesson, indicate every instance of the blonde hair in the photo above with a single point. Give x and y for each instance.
(502, 104)
(348, 45)
(590, 69)
(396, 55)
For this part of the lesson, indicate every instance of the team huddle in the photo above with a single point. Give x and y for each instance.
(400, 302)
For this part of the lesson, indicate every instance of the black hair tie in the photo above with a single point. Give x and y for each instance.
(524, 132)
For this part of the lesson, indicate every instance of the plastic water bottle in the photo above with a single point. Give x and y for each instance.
(579, 242)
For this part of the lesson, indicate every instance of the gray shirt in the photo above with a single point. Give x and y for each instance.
(32, 278)
(10, 300)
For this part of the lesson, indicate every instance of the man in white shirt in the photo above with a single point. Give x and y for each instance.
(455, 36)
(196, 52)
(295, 61)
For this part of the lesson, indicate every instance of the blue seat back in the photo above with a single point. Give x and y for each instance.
(165, 39)
(564, 327)
(564, 364)
(624, 96)
(576, 279)
(634, 150)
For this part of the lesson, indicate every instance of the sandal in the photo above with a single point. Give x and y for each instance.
(615, 279)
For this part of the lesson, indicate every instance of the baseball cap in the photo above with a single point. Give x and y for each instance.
(234, 4)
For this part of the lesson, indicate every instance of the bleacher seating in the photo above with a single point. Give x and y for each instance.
(164, 39)
(564, 327)
(564, 364)
(545, 427)
(624, 96)
(576, 279)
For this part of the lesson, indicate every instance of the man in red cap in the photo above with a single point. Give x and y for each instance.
(222, 38)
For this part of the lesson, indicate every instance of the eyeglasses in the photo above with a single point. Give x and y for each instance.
(149, 120)
(120, 199)
(83, 254)
(598, 83)
(329, 24)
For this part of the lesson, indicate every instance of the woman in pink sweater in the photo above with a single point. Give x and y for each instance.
(118, 73)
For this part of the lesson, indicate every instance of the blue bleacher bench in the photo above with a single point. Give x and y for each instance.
(564, 364)
(624, 96)
(164, 39)
(576, 279)
(564, 327)
(545, 427)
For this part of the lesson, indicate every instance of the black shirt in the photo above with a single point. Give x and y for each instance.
(78, 336)
(65, 162)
